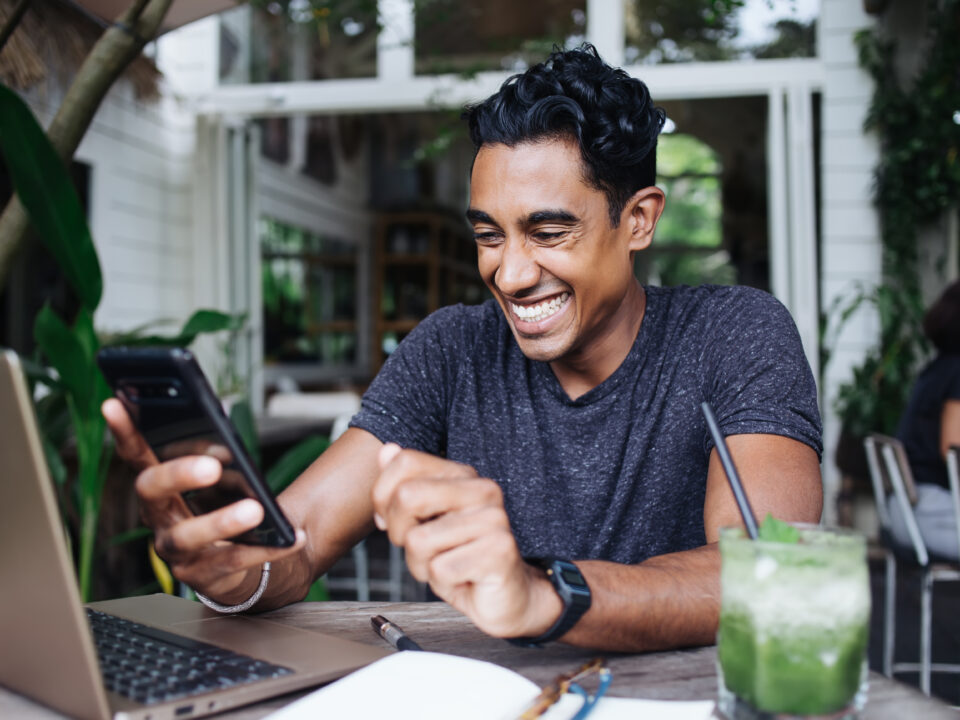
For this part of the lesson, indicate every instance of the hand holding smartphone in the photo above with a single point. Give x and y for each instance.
(173, 406)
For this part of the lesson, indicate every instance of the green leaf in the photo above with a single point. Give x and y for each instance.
(208, 321)
(66, 352)
(44, 187)
(201, 322)
(130, 536)
(774, 530)
(83, 329)
(318, 592)
(242, 417)
(293, 462)
(38, 373)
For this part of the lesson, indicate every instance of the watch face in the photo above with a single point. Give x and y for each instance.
(572, 577)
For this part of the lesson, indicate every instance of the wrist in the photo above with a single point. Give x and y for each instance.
(545, 606)
(247, 604)
(570, 588)
(239, 592)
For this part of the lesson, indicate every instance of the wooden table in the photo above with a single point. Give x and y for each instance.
(675, 675)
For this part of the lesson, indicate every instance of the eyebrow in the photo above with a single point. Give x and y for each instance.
(479, 216)
(539, 216)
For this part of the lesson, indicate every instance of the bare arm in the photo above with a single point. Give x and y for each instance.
(331, 502)
(674, 600)
(949, 426)
(458, 539)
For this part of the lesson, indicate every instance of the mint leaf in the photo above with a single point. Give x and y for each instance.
(773, 530)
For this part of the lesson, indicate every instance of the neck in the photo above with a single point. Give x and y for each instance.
(581, 371)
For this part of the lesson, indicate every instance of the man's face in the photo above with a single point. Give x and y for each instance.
(546, 249)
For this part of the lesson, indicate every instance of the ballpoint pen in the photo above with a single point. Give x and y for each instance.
(393, 633)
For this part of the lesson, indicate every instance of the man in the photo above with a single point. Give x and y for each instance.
(561, 419)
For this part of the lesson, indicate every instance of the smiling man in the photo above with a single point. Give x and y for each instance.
(542, 457)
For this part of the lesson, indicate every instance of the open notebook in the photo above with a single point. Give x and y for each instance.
(433, 686)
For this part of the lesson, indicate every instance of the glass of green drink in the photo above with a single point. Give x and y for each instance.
(794, 623)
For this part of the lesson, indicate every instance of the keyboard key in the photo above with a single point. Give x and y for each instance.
(150, 665)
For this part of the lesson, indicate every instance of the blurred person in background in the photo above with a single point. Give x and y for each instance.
(930, 426)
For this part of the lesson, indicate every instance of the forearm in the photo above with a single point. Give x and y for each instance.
(330, 502)
(665, 602)
(291, 577)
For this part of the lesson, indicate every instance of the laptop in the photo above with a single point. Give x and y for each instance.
(49, 652)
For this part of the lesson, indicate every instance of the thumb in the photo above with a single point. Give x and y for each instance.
(387, 453)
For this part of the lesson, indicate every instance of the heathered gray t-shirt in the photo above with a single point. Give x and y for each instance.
(619, 473)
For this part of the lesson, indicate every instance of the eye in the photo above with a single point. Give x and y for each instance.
(487, 237)
(548, 236)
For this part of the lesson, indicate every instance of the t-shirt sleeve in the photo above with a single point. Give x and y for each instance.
(757, 376)
(407, 401)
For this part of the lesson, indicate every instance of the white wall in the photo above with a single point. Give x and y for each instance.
(140, 156)
(851, 249)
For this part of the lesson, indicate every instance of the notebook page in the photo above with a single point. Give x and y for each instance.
(434, 686)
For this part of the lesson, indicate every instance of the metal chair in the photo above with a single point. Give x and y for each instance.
(889, 468)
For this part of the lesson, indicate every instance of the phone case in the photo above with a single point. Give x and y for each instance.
(175, 409)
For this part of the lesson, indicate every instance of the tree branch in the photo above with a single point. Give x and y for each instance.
(12, 22)
(109, 57)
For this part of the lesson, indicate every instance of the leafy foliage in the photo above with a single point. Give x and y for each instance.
(917, 179)
(42, 182)
(75, 386)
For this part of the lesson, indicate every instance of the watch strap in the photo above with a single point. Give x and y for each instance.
(573, 590)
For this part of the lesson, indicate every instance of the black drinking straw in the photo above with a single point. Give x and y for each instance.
(731, 470)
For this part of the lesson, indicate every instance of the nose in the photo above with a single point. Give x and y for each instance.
(518, 270)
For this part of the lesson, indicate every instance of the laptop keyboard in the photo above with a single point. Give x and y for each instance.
(150, 665)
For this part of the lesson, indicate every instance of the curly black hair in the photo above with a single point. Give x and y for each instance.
(574, 94)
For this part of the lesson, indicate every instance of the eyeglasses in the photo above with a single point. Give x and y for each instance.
(552, 693)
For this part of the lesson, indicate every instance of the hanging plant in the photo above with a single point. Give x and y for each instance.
(916, 180)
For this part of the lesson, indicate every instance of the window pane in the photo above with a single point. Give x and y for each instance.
(456, 36)
(284, 319)
(712, 166)
(310, 287)
(705, 30)
(287, 40)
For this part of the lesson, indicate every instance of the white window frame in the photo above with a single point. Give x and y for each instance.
(787, 84)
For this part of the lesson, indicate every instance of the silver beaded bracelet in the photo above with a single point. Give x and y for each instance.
(246, 604)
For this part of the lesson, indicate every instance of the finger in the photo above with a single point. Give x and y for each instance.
(216, 569)
(387, 453)
(427, 540)
(197, 533)
(130, 444)
(173, 477)
(485, 563)
(406, 464)
(420, 499)
(196, 446)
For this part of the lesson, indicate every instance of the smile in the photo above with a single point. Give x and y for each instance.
(541, 311)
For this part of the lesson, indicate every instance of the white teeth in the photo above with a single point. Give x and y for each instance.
(538, 313)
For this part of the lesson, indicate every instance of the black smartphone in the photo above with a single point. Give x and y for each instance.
(175, 409)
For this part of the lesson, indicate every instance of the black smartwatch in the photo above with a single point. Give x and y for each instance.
(572, 588)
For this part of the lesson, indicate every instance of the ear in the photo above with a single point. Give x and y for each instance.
(641, 214)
